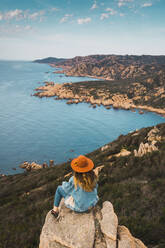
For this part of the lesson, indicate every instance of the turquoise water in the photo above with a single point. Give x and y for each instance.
(34, 129)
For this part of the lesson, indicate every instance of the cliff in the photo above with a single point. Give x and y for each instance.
(131, 177)
(96, 229)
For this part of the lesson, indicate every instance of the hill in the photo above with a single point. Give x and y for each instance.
(133, 181)
(49, 60)
(113, 67)
(126, 81)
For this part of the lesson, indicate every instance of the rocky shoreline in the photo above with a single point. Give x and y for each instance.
(126, 81)
(76, 93)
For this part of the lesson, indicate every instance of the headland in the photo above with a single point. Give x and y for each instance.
(124, 82)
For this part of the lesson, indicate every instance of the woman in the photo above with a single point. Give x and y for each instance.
(80, 193)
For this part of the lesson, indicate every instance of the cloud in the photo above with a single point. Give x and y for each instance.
(17, 14)
(65, 18)
(35, 15)
(123, 2)
(94, 6)
(111, 11)
(104, 16)
(146, 5)
(84, 20)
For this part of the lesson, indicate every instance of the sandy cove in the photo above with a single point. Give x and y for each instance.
(118, 101)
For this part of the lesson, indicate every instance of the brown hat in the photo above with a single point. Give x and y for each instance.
(82, 164)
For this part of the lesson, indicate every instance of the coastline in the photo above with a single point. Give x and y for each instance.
(126, 107)
(66, 91)
(151, 109)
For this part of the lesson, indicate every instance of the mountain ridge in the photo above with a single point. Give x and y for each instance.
(111, 66)
(136, 81)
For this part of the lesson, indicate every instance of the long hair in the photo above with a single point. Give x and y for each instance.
(87, 181)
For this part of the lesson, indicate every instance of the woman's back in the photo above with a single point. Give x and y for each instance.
(77, 198)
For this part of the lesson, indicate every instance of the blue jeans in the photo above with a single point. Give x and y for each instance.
(60, 193)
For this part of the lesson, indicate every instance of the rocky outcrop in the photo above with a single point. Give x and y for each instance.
(144, 148)
(106, 93)
(34, 166)
(97, 228)
(30, 166)
(126, 240)
(69, 230)
(123, 153)
(66, 91)
(153, 135)
(149, 146)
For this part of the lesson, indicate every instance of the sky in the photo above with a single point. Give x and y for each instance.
(36, 29)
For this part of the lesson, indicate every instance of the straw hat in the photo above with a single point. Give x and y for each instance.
(82, 164)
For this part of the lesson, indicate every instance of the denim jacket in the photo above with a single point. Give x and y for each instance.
(77, 199)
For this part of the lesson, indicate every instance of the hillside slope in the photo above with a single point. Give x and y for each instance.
(113, 67)
(133, 81)
(135, 186)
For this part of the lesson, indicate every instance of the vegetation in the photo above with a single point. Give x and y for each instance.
(139, 78)
(50, 60)
(135, 186)
(138, 90)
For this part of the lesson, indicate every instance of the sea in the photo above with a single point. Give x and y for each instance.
(39, 130)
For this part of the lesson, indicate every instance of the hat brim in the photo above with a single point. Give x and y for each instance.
(82, 169)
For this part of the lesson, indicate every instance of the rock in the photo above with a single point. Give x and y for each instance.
(153, 135)
(69, 102)
(35, 166)
(97, 228)
(24, 165)
(145, 148)
(2, 175)
(123, 153)
(71, 229)
(98, 169)
(135, 134)
(109, 221)
(126, 240)
(103, 148)
(44, 165)
(30, 166)
(107, 107)
(51, 163)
